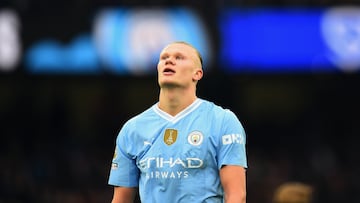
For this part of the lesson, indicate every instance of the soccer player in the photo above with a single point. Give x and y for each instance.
(183, 148)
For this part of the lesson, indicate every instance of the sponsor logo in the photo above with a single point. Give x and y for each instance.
(147, 143)
(167, 174)
(160, 168)
(159, 162)
(232, 138)
(170, 136)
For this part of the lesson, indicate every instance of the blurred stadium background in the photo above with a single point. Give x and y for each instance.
(72, 72)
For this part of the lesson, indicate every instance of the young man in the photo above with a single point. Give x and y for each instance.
(182, 149)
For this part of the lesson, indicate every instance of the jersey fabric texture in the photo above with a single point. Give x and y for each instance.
(177, 158)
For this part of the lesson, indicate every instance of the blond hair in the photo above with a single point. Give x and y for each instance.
(293, 192)
(190, 45)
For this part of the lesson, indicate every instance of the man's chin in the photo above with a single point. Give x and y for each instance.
(169, 84)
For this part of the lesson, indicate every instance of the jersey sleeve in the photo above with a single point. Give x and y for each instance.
(232, 150)
(124, 171)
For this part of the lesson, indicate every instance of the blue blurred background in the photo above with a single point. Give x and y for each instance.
(72, 72)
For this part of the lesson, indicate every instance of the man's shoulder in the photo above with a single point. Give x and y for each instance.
(216, 108)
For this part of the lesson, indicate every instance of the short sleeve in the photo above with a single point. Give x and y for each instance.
(124, 171)
(232, 150)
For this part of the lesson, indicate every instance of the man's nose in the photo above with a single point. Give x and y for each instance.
(169, 60)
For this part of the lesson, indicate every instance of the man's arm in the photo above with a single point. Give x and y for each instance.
(123, 195)
(233, 180)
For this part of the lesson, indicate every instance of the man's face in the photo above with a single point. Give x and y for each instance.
(179, 65)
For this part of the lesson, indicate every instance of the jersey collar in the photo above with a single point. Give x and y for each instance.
(180, 115)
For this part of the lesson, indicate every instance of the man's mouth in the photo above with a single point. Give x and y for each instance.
(168, 71)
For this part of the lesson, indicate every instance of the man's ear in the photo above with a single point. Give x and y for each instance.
(198, 74)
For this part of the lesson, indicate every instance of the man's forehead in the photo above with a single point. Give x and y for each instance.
(177, 47)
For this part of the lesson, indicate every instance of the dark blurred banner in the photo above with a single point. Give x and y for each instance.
(126, 41)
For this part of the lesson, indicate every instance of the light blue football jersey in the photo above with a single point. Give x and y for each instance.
(177, 158)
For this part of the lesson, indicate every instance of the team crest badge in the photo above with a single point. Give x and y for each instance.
(170, 136)
(195, 138)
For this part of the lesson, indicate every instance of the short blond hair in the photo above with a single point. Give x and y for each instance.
(190, 45)
(293, 192)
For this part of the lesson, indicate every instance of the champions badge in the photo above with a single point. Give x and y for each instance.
(170, 136)
(195, 138)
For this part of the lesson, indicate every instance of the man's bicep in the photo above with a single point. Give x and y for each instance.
(233, 180)
(123, 195)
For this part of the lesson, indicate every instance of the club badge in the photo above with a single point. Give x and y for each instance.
(195, 138)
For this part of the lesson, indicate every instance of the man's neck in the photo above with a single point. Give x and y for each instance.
(174, 100)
